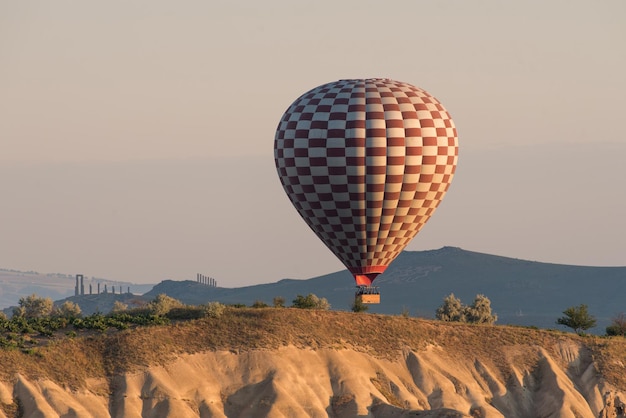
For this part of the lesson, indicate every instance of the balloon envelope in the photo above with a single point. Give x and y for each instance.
(366, 162)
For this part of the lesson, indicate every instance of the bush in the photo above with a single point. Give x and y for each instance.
(259, 304)
(119, 307)
(67, 310)
(17, 331)
(311, 301)
(96, 321)
(577, 318)
(358, 305)
(618, 326)
(33, 306)
(162, 304)
(279, 302)
(186, 313)
(214, 309)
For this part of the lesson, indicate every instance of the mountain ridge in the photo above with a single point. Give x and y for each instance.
(522, 292)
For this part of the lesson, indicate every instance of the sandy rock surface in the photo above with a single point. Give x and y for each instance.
(341, 383)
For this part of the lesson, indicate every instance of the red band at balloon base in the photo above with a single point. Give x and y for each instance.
(364, 276)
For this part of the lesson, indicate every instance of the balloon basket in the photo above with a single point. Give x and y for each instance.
(368, 294)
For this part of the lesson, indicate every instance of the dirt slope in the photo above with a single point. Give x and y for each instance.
(293, 363)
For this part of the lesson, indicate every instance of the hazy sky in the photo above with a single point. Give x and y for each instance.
(136, 136)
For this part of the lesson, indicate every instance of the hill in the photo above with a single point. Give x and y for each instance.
(521, 292)
(291, 362)
(15, 284)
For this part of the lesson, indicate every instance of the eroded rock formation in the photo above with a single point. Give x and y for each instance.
(336, 382)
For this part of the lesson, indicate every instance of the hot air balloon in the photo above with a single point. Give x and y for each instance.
(366, 162)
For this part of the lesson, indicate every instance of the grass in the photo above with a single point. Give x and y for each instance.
(106, 354)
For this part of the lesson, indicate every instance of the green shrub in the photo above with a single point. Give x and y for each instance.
(259, 304)
(119, 307)
(451, 310)
(310, 301)
(33, 306)
(67, 310)
(479, 312)
(96, 322)
(279, 302)
(214, 309)
(186, 313)
(358, 305)
(162, 304)
(618, 326)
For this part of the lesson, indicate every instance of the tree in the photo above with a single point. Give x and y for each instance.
(618, 326)
(480, 311)
(279, 302)
(451, 310)
(358, 305)
(311, 301)
(577, 318)
(33, 306)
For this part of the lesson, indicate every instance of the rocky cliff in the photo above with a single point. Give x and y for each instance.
(295, 363)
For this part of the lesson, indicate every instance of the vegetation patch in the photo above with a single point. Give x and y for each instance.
(128, 340)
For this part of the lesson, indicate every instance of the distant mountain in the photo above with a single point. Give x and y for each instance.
(15, 284)
(521, 292)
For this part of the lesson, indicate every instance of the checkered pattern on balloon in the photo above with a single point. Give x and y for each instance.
(366, 162)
